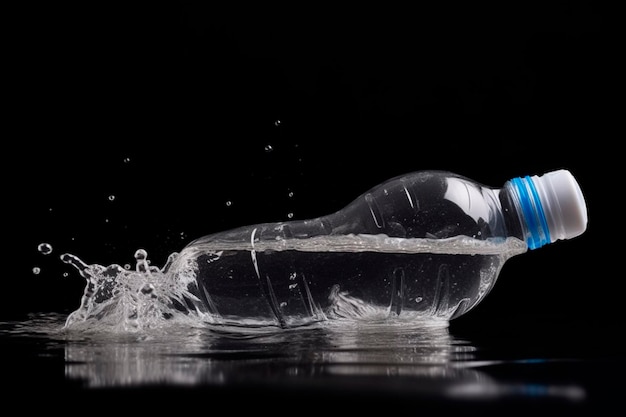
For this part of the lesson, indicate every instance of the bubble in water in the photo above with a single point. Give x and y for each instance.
(111, 197)
(277, 122)
(229, 203)
(36, 270)
(290, 215)
(126, 160)
(45, 248)
(290, 194)
(65, 274)
(268, 148)
(147, 289)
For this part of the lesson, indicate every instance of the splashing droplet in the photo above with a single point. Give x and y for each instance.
(45, 248)
(36, 270)
(141, 255)
(142, 261)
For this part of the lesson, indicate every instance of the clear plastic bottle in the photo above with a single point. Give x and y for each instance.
(425, 246)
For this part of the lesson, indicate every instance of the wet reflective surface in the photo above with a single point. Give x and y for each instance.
(516, 367)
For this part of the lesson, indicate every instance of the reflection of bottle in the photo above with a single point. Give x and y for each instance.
(424, 246)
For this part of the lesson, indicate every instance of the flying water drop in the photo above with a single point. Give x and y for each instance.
(45, 248)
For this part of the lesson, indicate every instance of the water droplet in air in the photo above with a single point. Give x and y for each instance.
(45, 248)
(268, 148)
(143, 265)
(36, 270)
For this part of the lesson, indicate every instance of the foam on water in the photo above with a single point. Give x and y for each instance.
(461, 245)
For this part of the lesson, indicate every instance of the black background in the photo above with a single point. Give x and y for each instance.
(190, 96)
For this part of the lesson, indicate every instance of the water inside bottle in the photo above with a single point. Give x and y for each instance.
(293, 282)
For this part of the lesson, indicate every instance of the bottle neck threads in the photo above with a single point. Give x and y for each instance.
(537, 230)
(552, 207)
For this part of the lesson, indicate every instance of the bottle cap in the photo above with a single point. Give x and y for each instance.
(552, 205)
(563, 204)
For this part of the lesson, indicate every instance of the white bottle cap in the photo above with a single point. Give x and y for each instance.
(563, 204)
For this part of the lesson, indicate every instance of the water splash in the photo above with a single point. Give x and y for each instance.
(120, 299)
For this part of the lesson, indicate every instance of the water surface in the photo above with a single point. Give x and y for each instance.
(343, 361)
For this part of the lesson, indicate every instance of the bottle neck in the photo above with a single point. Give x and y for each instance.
(525, 199)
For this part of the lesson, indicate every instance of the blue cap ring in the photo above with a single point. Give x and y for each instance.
(532, 211)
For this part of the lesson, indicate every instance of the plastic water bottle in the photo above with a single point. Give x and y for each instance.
(427, 246)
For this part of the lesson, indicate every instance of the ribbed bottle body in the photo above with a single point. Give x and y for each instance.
(424, 246)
